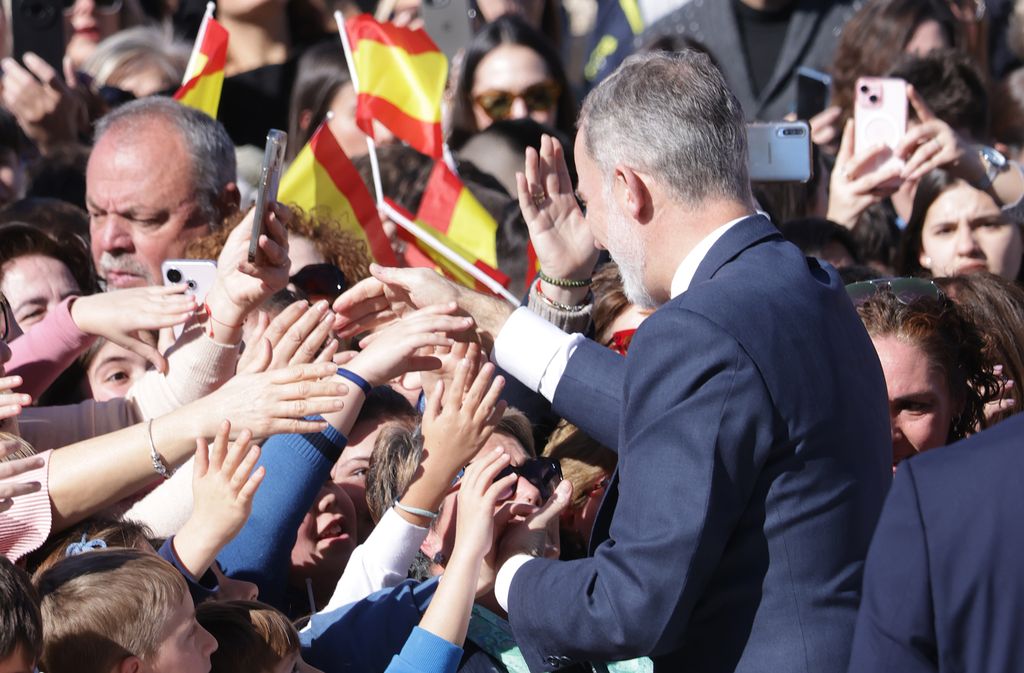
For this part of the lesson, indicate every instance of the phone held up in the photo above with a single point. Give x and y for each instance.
(198, 275)
(813, 92)
(448, 23)
(779, 152)
(880, 119)
(38, 26)
(266, 190)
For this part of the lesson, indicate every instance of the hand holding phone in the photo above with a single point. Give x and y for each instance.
(266, 190)
(779, 152)
(198, 275)
(813, 90)
(880, 121)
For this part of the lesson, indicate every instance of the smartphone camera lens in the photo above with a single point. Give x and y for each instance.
(792, 131)
(863, 88)
(873, 98)
(174, 275)
(191, 284)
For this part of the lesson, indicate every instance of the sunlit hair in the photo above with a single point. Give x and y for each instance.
(251, 636)
(114, 533)
(339, 247)
(584, 461)
(951, 343)
(996, 306)
(101, 607)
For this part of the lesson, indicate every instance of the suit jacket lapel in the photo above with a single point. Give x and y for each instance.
(720, 21)
(803, 27)
(741, 236)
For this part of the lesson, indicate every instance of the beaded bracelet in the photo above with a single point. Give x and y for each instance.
(563, 307)
(563, 282)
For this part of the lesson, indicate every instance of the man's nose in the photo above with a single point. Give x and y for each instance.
(527, 493)
(113, 235)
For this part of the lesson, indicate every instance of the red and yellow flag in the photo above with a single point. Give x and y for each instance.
(401, 75)
(532, 264)
(323, 176)
(451, 208)
(420, 254)
(204, 76)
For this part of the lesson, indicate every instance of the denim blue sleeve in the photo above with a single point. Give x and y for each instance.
(297, 466)
(364, 636)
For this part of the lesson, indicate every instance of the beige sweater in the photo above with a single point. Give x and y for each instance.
(196, 367)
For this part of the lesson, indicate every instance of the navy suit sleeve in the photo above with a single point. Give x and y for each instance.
(297, 466)
(589, 394)
(896, 623)
(694, 434)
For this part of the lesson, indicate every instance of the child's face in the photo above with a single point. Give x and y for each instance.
(18, 661)
(187, 646)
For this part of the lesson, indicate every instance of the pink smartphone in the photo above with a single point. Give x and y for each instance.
(880, 117)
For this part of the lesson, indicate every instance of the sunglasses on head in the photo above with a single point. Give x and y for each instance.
(102, 6)
(320, 281)
(906, 290)
(540, 97)
(544, 473)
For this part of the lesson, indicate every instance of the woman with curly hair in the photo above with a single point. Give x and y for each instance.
(932, 357)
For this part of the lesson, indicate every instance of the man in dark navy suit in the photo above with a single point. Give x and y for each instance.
(749, 415)
(943, 583)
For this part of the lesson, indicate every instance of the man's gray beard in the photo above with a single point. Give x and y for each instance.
(122, 264)
(627, 250)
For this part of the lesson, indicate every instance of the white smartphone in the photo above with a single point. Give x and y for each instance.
(266, 190)
(198, 274)
(880, 118)
(779, 152)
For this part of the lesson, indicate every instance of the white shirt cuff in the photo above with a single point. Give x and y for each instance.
(534, 351)
(503, 581)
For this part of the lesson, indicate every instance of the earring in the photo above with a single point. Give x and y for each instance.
(438, 558)
(926, 262)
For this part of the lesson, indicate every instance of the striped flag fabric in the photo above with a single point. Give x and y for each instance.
(401, 76)
(420, 254)
(449, 207)
(204, 75)
(323, 176)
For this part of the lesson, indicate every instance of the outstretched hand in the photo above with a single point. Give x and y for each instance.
(49, 110)
(125, 317)
(559, 232)
(479, 495)
(10, 487)
(537, 533)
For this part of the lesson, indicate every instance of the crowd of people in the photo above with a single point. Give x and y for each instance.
(694, 446)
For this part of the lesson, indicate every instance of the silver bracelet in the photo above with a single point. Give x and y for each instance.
(159, 466)
(416, 511)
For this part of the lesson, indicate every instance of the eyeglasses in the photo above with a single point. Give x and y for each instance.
(620, 340)
(539, 97)
(320, 281)
(102, 6)
(544, 473)
(906, 290)
(5, 321)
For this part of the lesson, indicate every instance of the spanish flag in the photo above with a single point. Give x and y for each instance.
(204, 75)
(420, 254)
(532, 264)
(322, 176)
(449, 207)
(401, 76)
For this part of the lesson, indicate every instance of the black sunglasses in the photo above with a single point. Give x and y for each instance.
(320, 281)
(5, 321)
(906, 290)
(544, 473)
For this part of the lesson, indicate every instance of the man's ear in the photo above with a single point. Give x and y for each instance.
(633, 194)
(432, 545)
(129, 665)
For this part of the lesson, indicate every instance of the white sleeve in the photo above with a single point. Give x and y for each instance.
(534, 351)
(380, 562)
(503, 581)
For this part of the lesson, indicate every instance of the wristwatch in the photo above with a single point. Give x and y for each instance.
(994, 163)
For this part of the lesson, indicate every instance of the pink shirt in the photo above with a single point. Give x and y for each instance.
(26, 525)
(41, 354)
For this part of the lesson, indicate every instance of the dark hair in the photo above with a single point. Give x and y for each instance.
(953, 87)
(251, 636)
(996, 306)
(21, 625)
(18, 239)
(812, 235)
(949, 340)
(56, 217)
(1008, 110)
(875, 37)
(321, 73)
(506, 30)
(59, 174)
(876, 235)
(931, 186)
(386, 403)
(120, 533)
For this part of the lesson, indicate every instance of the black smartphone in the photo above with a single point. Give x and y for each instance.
(38, 26)
(813, 91)
(266, 190)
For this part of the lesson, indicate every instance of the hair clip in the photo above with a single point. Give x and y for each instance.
(76, 548)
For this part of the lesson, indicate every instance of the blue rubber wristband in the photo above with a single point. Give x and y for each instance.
(356, 379)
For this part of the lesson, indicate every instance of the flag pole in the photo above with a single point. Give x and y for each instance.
(454, 257)
(370, 145)
(194, 56)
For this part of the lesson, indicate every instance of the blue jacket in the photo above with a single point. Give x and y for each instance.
(944, 579)
(752, 427)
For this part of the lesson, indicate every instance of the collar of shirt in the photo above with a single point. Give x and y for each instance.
(684, 274)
